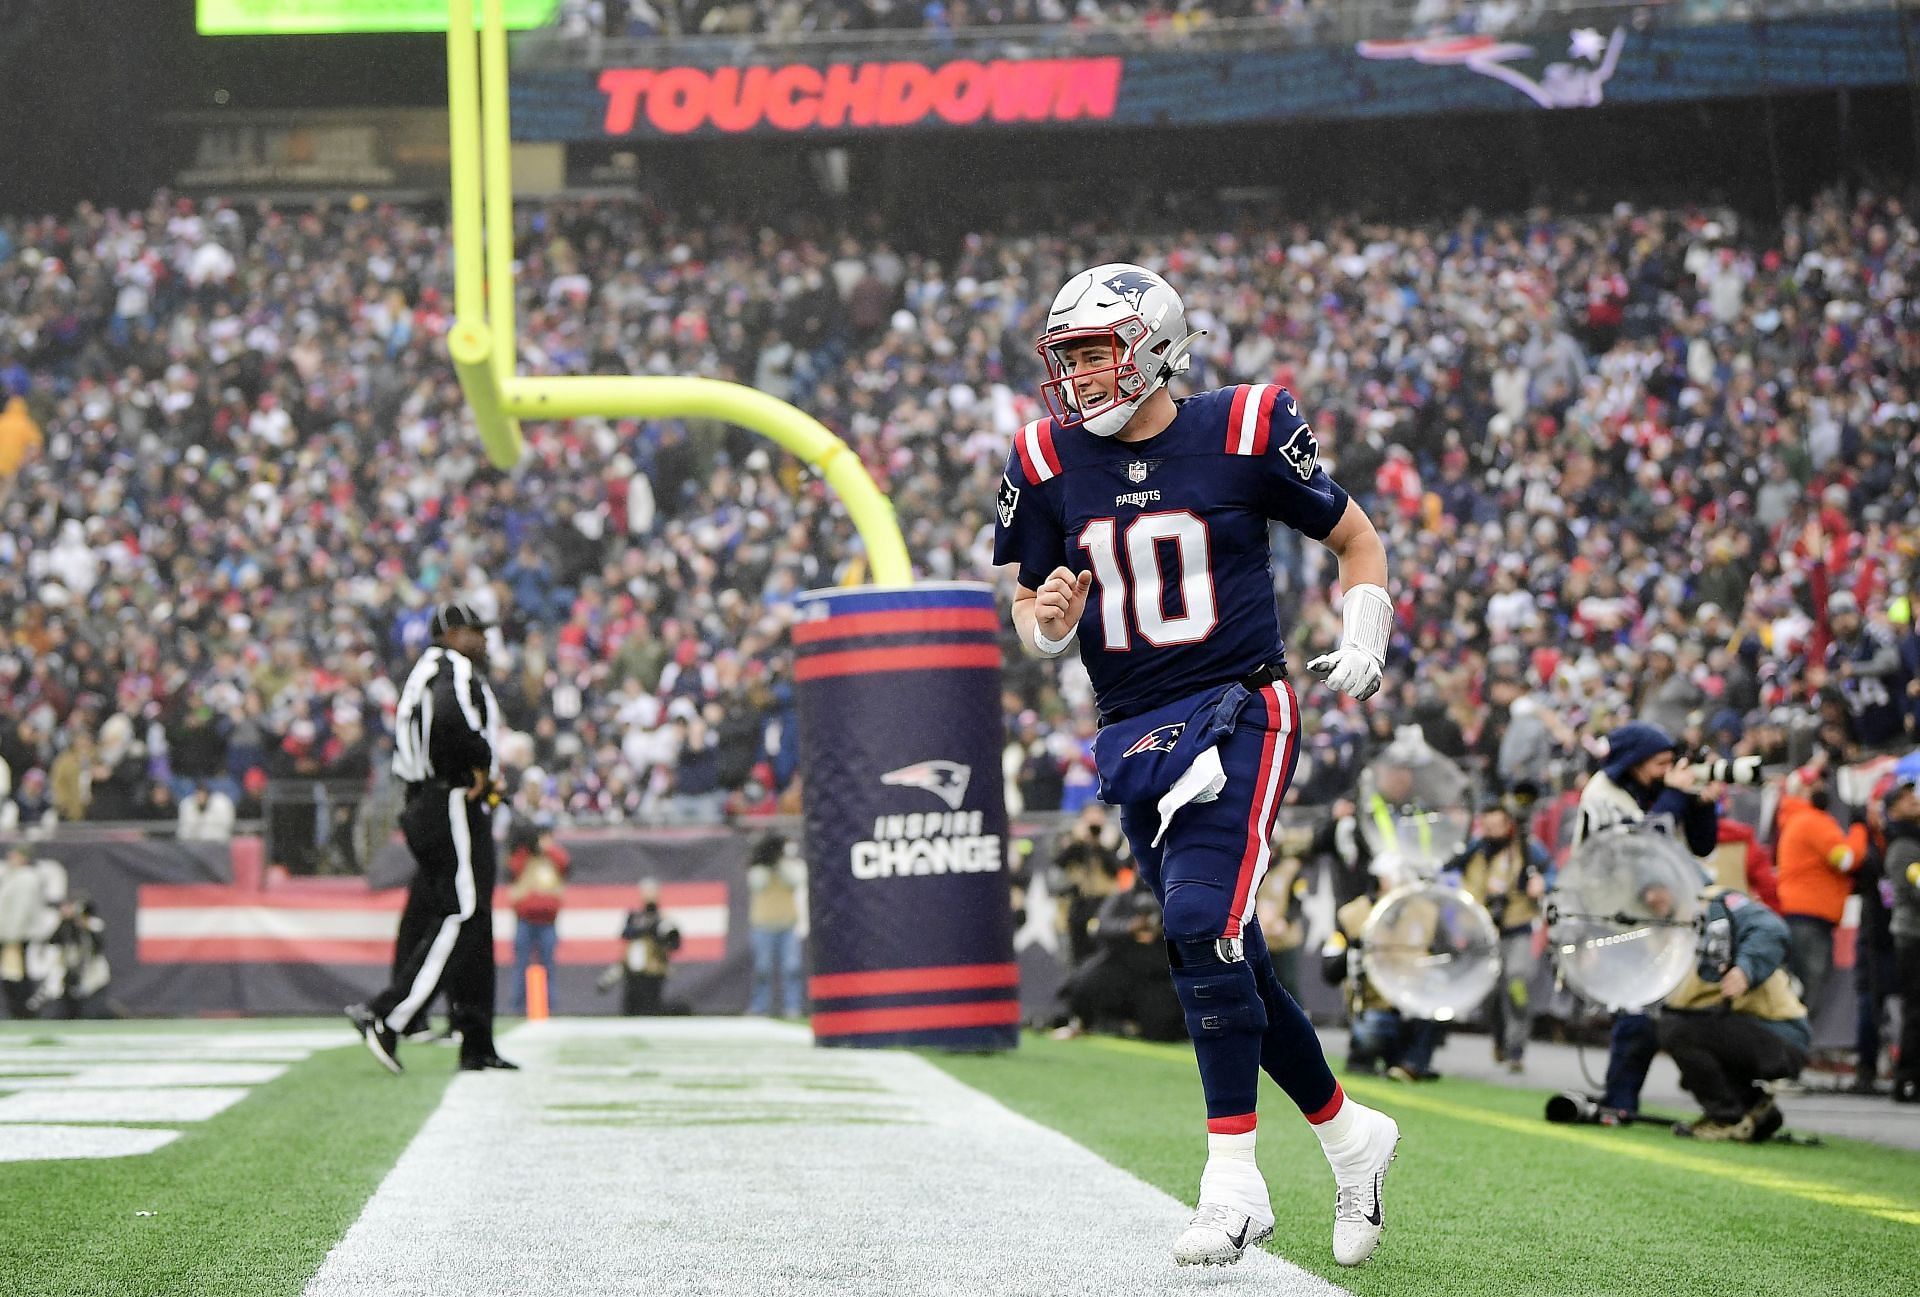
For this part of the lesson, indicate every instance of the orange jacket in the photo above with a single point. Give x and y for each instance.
(1816, 860)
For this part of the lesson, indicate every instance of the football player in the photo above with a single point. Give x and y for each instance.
(1140, 527)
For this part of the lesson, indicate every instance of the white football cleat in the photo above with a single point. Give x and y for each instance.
(1357, 1216)
(1234, 1215)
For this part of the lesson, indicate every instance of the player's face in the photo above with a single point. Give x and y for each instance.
(1090, 365)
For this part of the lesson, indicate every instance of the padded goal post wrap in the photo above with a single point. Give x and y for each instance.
(906, 821)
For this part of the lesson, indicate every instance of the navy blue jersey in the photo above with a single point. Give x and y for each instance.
(1174, 530)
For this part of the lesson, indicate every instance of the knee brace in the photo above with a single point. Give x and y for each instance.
(1217, 989)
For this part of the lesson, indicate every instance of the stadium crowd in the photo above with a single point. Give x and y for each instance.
(1302, 21)
(1640, 463)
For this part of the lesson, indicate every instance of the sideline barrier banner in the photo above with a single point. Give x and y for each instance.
(906, 842)
(1580, 68)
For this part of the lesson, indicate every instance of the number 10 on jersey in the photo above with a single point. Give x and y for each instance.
(1127, 566)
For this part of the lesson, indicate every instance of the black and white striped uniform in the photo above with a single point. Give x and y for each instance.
(446, 732)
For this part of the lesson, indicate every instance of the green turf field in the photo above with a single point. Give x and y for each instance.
(1487, 1198)
(243, 1205)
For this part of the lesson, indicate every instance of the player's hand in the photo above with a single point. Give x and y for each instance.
(1059, 601)
(1349, 670)
(1733, 983)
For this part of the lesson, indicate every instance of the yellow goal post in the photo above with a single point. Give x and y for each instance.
(483, 342)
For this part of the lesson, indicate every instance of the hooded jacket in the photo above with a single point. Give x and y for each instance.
(1612, 796)
(1903, 875)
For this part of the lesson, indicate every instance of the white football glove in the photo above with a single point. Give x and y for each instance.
(1366, 624)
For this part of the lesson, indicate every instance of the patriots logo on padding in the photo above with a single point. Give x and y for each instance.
(1131, 287)
(946, 780)
(1156, 740)
(1303, 452)
(1008, 501)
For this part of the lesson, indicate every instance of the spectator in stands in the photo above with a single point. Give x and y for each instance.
(538, 866)
(206, 815)
(776, 882)
(1816, 860)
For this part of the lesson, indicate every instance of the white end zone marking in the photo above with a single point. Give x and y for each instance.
(144, 1076)
(119, 1105)
(688, 1158)
(57, 1143)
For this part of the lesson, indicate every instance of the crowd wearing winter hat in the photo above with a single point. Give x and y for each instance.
(1644, 463)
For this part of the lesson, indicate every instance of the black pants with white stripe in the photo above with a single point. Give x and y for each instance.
(451, 906)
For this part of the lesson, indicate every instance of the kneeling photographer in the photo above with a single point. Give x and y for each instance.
(1644, 779)
(1123, 987)
(1735, 1021)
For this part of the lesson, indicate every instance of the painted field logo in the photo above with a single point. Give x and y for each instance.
(946, 780)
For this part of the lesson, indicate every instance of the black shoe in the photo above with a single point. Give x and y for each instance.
(1862, 1083)
(380, 1039)
(1766, 1119)
(419, 1030)
(487, 1063)
(1906, 1091)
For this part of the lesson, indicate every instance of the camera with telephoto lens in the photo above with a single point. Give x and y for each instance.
(1727, 770)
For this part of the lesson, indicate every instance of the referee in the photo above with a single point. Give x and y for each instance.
(445, 750)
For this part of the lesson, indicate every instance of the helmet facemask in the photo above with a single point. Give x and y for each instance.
(1133, 377)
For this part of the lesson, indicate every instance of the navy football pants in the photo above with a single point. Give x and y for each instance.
(1206, 873)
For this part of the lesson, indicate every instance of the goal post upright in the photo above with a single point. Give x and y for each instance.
(483, 345)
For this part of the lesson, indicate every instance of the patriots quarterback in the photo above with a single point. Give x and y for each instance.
(1139, 524)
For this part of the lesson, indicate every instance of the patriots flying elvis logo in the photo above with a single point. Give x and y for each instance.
(1156, 740)
(1130, 286)
(1302, 451)
(946, 780)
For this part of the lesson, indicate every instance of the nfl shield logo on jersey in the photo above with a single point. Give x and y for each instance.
(1137, 470)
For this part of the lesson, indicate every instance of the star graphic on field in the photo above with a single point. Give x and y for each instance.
(1588, 44)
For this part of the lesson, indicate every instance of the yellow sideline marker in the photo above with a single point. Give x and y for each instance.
(483, 344)
(1832, 1195)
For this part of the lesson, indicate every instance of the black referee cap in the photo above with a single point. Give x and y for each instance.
(458, 613)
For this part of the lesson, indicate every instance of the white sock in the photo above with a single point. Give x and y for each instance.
(1232, 1148)
(1337, 1131)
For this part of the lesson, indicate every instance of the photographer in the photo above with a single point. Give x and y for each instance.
(1734, 1021)
(1509, 873)
(1124, 987)
(1382, 1039)
(652, 938)
(1903, 878)
(1086, 870)
(1643, 780)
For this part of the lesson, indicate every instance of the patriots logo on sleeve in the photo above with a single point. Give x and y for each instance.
(1303, 452)
(1008, 500)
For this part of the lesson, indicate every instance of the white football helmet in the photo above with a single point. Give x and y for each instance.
(1137, 314)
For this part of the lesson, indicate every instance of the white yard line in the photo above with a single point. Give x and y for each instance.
(141, 1076)
(728, 1156)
